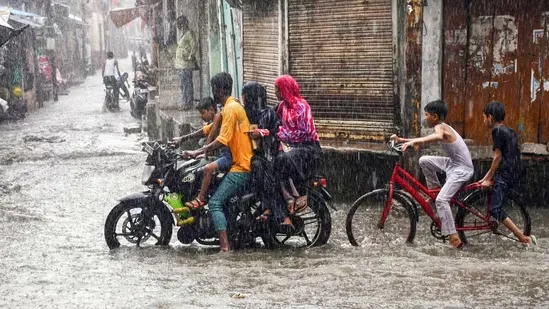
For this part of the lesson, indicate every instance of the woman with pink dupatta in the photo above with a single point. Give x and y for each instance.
(299, 151)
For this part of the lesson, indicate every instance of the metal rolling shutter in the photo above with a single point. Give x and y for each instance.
(260, 44)
(342, 56)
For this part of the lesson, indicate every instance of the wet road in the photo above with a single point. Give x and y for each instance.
(62, 168)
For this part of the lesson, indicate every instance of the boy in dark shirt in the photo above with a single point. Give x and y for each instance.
(505, 167)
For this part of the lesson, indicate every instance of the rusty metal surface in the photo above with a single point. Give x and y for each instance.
(350, 130)
(260, 44)
(454, 79)
(412, 67)
(342, 57)
(497, 51)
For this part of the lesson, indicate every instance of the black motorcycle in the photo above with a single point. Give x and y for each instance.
(147, 218)
(140, 96)
(15, 109)
(110, 102)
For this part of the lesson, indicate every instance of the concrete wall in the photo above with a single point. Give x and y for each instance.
(432, 52)
(352, 172)
(169, 93)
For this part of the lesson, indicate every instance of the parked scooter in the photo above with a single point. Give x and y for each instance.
(15, 108)
(140, 95)
(111, 100)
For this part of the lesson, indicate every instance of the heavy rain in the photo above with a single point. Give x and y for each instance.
(97, 184)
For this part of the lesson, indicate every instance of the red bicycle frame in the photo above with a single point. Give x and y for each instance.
(409, 183)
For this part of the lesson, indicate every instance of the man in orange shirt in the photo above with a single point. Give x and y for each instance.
(233, 134)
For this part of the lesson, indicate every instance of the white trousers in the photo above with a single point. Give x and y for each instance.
(456, 177)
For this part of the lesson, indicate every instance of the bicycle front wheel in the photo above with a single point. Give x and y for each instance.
(471, 227)
(364, 220)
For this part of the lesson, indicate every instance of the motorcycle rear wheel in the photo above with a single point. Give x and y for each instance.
(126, 226)
(313, 226)
(133, 109)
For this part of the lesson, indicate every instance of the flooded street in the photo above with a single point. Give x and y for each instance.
(64, 166)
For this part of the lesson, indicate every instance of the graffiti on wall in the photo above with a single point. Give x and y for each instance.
(505, 36)
(538, 81)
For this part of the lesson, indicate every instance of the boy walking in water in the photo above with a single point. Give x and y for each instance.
(458, 166)
(505, 167)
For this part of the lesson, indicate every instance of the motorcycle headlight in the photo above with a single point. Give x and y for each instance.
(147, 173)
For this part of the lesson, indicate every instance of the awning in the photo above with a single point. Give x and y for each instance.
(18, 18)
(121, 17)
(9, 26)
(7, 34)
(4, 17)
(235, 3)
(76, 20)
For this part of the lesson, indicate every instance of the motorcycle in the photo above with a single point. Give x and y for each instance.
(15, 109)
(140, 96)
(111, 100)
(148, 218)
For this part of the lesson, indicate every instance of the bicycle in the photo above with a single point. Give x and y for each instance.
(396, 210)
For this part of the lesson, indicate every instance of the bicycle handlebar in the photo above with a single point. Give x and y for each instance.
(396, 147)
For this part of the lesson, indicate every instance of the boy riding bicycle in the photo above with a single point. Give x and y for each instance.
(505, 167)
(458, 166)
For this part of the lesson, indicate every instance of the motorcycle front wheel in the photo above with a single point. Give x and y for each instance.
(127, 225)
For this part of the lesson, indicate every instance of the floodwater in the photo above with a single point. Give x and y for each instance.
(63, 167)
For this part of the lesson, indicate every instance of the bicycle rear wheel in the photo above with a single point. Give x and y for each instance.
(363, 220)
(514, 207)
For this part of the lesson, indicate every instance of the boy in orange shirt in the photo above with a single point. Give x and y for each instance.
(233, 134)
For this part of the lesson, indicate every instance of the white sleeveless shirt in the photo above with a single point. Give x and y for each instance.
(458, 152)
(109, 67)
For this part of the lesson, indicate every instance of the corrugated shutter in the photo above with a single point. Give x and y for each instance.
(341, 53)
(260, 39)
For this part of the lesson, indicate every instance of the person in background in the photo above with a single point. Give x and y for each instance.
(122, 81)
(134, 61)
(108, 73)
(185, 62)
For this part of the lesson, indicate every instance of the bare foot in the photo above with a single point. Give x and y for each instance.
(291, 206)
(287, 221)
(455, 241)
(530, 240)
(224, 241)
(264, 216)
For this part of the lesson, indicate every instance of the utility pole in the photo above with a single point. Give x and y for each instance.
(51, 47)
(85, 33)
